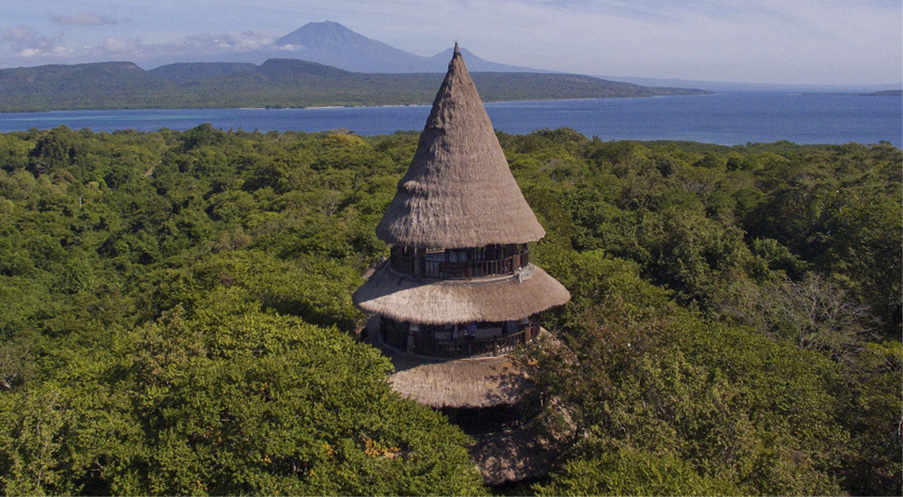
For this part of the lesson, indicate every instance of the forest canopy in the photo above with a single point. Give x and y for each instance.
(178, 320)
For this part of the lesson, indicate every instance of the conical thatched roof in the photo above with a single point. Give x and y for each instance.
(458, 191)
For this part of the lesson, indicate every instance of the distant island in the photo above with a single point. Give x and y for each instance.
(886, 93)
(277, 83)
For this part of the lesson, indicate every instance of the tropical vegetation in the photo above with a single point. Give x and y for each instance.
(177, 317)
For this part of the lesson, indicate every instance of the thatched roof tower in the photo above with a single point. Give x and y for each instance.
(459, 282)
(458, 191)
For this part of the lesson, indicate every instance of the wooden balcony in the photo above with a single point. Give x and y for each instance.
(425, 343)
(473, 347)
(476, 264)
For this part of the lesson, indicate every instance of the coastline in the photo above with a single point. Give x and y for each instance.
(722, 118)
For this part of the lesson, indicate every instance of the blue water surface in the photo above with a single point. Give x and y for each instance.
(722, 118)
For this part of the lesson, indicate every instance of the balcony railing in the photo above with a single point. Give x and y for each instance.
(470, 347)
(458, 270)
(425, 344)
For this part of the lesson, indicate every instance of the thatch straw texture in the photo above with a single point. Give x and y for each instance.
(405, 298)
(458, 191)
(461, 383)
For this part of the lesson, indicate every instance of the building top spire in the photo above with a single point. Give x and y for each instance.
(458, 191)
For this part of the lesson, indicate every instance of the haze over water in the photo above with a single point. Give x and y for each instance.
(725, 118)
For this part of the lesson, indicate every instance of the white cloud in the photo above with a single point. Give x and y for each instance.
(83, 19)
(23, 35)
(28, 47)
(27, 43)
(128, 46)
(197, 45)
(28, 52)
(212, 43)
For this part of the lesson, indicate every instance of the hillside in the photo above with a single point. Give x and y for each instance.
(188, 72)
(275, 83)
(107, 84)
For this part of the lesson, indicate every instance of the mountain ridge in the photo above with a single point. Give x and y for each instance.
(318, 64)
(275, 83)
(333, 44)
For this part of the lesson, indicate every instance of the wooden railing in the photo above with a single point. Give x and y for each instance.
(403, 263)
(463, 347)
(407, 264)
(466, 347)
(395, 338)
(468, 269)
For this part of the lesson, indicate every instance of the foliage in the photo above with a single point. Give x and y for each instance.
(160, 340)
(177, 317)
(661, 242)
(628, 472)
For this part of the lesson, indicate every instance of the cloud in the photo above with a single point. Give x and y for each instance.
(193, 46)
(83, 19)
(119, 46)
(30, 47)
(208, 43)
(21, 35)
(28, 43)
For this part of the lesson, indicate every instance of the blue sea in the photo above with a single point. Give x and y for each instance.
(722, 118)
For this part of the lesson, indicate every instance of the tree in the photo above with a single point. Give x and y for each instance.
(631, 472)
(231, 400)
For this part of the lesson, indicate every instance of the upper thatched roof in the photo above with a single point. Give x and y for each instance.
(458, 191)
(406, 298)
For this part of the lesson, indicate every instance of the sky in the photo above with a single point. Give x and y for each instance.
(839, 42)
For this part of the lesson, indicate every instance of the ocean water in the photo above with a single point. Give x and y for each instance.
(722, 118)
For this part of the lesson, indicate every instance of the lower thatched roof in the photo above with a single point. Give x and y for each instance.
(405, 298)
(460, 383)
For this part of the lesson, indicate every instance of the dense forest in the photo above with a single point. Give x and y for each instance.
(177, 317)
(276, 83)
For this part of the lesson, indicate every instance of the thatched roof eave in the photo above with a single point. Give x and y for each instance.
(406, 298)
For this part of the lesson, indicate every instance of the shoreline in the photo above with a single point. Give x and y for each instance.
(485, 102)
(724, 118)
